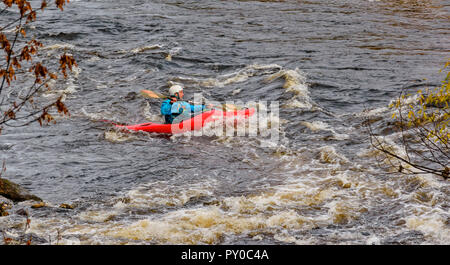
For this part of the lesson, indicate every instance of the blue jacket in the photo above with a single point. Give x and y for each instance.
(179, 109)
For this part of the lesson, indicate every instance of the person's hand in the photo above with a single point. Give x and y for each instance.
(209, 106)
(172, 100)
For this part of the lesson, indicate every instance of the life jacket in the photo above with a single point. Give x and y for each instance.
(185, 109)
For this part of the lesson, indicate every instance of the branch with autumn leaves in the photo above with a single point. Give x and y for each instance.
(422, 121)
(17, 53)
(23, 74)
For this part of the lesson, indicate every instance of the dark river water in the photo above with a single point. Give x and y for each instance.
(329, 64)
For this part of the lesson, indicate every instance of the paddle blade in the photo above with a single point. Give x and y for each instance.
(151, 94)
(227, 107)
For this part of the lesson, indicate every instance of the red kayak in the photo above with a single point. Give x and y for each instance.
(193, 124)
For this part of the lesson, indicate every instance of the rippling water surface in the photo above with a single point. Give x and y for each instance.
(329, 64)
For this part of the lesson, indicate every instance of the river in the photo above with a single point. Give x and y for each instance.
(329, 64)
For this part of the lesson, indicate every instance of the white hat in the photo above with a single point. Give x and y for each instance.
(175, 89)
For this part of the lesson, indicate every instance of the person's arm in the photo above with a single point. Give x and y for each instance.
(166, 108)
(197, 108)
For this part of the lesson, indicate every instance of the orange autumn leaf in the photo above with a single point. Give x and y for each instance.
(44, 4)
(61, 3)
(8, 2)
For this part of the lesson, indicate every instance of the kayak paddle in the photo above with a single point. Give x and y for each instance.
(153, 94)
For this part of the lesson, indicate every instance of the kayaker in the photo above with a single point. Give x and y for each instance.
(175, 108)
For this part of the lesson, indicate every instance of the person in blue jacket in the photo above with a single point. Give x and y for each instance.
(175, 108)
